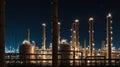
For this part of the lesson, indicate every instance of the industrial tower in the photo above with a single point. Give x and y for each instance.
(75, 34)
(58, 32)
(2, 33)
(91, 36)
(109, 37)
(43, 36)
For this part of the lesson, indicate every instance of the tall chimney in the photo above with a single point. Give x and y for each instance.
(58, 32)
(91, 37)
(2, 33)
(44, 36)
(55, 34)
(77, 32)
(109, 37)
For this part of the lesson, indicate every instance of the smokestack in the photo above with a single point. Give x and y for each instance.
(44, 36)
(91, 37)
(28, 34)
(2, 33)
(109, 36)
(77, 32)
(58, 32)
(55, 34)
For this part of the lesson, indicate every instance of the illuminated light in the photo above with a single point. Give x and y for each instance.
(88, 61)
(93, 48)
(109, 15)
(59, 23)
(70, 29)
(93, 31)
(76, 20)
(113, 48)
(63, 41)
(74, 32)
(111, 44)
(98, 54)
(111, 38)
(80, 54)
(111, 27)
(93, 44)
(25, 42)
(43, 24)
(90, 19)
(89, 31)
(76, 57)
(33, 42)
(111, 32)
(87, 48)
(111, 21)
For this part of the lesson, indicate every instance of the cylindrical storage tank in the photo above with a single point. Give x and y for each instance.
(26, 48)
(66, 54)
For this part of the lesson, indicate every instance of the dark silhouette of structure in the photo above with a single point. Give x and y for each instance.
(2, 33)
(109, 36)
(55, 34)
(91, 36)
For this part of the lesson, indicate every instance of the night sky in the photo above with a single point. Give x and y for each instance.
(21, 14)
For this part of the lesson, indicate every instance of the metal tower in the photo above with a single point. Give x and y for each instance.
(2, 33)
(58, 32)
(43, 36)
(91, 36)
(77, 32)
(109, 36)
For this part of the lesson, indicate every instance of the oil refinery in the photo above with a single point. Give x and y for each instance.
(60, 52)
(69, 53)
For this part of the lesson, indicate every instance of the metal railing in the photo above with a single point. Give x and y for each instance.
(15, 59)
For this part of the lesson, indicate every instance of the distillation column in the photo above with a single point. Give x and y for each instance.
(109, 37)
(43, 36)
(58, 32)
(77, 33)
(2, 33)
(91, 37)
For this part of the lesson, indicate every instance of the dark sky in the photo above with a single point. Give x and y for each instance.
(21, 14)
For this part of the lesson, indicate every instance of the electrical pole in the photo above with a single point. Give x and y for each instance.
(2, 33)
(55, 33)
